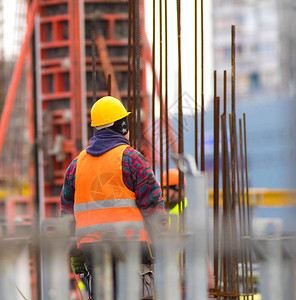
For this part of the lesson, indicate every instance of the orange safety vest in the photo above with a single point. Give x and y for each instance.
(102, 202)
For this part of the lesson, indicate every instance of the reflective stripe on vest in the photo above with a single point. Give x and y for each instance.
(102, 201)
(104, 204)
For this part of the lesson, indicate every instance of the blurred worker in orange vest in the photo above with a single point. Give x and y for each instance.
(109, 185)
(172, 204)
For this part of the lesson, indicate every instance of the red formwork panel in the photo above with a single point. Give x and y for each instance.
(61, 93)
(19, 214)
(60, 62)
(60, 77)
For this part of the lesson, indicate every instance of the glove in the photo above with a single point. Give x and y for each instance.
(77, 264)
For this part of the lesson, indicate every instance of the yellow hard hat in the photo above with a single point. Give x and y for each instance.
(107, 110)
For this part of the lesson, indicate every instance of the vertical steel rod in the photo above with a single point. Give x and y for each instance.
(216, 235)
(227, 219)
(160, 98)
(245, 252)
(195, 86)
(109, 85)
(180, 133)
(134, 111)
(233, 118)
(224, 203)
(225, 92)
(225, 222)
(94, 71)
(202, 125)
(153, 88)
(240, 213)
(180, 105)
(129, 104)
(166, 96)
(248, 202)
(216, 184)
(234, 257)
(138, 75)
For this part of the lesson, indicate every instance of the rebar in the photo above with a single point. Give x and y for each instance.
(94, 71)
(225, 92)
(216, 111)
(233, 169)
(234, 259)
(109, 85)
(153, 87)
(129, 104)
(180, 112)
(138, 75)
(240, 213)
(195, 87)
(180, 133)
(202, 120)
(245, 251)
(134, 110)
(226, 250)
(166, 97)
(160, 98)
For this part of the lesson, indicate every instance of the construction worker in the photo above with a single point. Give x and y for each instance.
(172, 205)
(109, 185)
(172, 200)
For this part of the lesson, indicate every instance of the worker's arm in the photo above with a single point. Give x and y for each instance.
(139, 178)
(68, 190)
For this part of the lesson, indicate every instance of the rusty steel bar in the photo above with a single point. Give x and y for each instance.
(216, 189)
(216, 111)
(248, 202)
(234, 260)
(180, 134)
(109, 85)
(233, 70)
(94, 71)
(225, 92)
(225, 223)
(129, 104)
(166, 97)
(180, 107)
(134, 110)
(240, 217)
(172, 136)
(160, 98)
(226, 209)
(233, 169)
(245, 252)
(225, 172)
(195, 87)
(202, 120)
(137, 83)
(153, 88)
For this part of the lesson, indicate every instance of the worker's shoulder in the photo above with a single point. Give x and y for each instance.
(72, 166)
(132, 154)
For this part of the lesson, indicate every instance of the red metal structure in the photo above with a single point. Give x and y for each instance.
(61, 63)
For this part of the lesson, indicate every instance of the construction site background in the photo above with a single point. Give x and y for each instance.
(265, 93)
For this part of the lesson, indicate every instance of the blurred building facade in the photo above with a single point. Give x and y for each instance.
(265, 39)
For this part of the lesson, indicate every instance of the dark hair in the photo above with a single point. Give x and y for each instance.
(120, 126)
